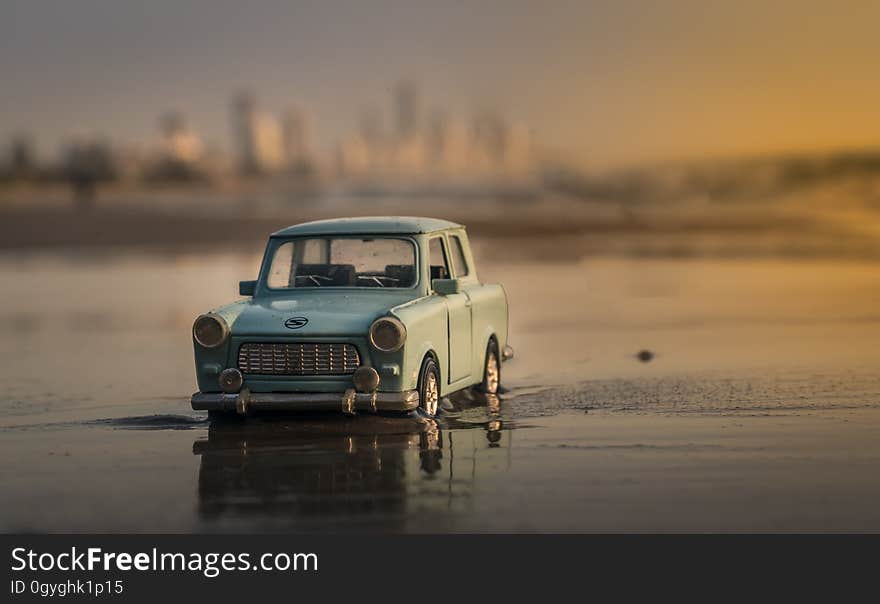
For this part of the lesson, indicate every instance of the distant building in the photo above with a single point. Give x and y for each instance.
(181, 152)
(258, 138)
(179, 142)
(244, 137)
(296, 135)
(268, 143)
(406, 109)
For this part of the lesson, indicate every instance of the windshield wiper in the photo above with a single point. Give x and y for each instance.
(316, 279)
(377, 279)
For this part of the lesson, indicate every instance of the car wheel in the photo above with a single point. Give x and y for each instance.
(491, 370)
(429, 388)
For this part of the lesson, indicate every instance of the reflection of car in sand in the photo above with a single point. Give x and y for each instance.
(355, 314)
(313, 467)
(312, 472)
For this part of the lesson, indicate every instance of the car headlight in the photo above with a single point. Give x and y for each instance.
(387, 334)
(210, 330)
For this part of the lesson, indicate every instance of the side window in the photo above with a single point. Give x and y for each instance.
(279, 270)
(459, 264)
(439, 265)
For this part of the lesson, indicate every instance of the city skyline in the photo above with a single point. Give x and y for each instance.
(598, 82)
(408, 138)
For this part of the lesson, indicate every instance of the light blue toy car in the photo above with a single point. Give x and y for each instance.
(355, 314)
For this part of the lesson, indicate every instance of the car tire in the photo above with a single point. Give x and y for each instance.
(491, 383)
(429, 388)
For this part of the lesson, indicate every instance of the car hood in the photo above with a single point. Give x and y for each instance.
(316, 314)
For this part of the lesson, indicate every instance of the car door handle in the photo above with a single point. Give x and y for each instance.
(467, 303)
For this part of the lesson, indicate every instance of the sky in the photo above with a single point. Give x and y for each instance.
(599, 83)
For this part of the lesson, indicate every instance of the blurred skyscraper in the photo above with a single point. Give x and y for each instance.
(179, 142)
(406, 109)
(258, 137)
(243, 133)
(296, 133)
(265, 143)
(180, 155)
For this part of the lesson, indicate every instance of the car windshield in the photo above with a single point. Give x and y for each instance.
(343, 262)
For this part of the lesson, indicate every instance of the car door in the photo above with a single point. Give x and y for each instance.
(459, 310)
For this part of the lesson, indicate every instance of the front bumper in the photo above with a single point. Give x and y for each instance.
(348, 402)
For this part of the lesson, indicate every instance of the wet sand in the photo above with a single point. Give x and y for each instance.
(760, 410)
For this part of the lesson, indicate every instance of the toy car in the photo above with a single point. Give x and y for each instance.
(355, 314)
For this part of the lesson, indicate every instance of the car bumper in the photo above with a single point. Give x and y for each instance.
(347, 402)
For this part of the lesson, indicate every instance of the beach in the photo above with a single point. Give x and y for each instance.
(757, 409)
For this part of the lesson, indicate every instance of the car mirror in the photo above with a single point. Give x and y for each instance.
(247, 288)
(446, 287)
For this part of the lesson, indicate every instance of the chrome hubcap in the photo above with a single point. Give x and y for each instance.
(432, 394)
(492, 373)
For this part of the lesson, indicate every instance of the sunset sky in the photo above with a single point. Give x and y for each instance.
(599, 82)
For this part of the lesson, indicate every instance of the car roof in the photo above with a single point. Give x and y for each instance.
(368, 225)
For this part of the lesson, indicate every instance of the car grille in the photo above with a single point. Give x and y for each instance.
(271, 358)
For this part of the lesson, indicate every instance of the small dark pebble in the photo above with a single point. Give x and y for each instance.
(645, 355)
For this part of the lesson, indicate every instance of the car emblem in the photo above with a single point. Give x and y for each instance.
(295, 322)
